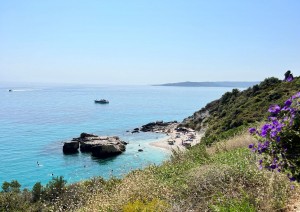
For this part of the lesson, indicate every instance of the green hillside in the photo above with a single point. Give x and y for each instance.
(223, 176)
(236, 110)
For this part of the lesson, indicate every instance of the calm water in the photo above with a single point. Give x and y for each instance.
(36, 120)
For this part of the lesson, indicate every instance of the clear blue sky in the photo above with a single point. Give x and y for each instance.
(147, 42)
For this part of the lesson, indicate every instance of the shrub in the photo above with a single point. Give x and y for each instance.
(13, 186)
(54, 188)
(279, 139)
(231, 182)
(5, 186)
(37, 191)
(234, 204)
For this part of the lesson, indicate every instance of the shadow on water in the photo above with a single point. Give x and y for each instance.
(104, 161)
(71, 153)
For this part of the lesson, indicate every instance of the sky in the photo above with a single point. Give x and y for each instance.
(147, 41)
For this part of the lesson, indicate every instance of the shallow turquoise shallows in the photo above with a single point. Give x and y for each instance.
(36, 120)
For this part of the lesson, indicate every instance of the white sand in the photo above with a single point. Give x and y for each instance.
(163, 143)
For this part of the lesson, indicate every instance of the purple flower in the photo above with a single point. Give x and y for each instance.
(292, 178)
(262, 147)
(273, 134)
(265, 129)
(288, 103)
(290, 78)
(252, 130)
(297, 95)
(274, 109)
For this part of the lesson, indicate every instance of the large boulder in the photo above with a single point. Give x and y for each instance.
(108, 149)
(71, 147)
(99, 146)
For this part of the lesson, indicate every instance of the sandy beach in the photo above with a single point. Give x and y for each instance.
(178, 140)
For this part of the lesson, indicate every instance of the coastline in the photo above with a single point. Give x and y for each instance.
(181, 140)
(177, 138)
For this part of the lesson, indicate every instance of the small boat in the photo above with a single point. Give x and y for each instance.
(10, 90)
(102, 101)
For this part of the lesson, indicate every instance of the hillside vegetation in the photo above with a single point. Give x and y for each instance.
(236, 110)
(221, 176)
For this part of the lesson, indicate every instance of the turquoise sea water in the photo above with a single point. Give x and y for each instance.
(36, 120)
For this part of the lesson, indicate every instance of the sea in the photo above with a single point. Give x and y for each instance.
(36, 120)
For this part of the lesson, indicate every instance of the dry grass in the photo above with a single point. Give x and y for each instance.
(138, 185)
(233, 143)
(225, 180)
(294, 200)
(217, 184)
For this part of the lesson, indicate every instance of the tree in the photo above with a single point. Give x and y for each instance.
(55, 188)
(5, 186)
(37, 191)
(15, 186)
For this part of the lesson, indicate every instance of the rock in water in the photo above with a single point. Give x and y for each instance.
(99, 146)
(85, 135)
(71, 147)
(107, 150)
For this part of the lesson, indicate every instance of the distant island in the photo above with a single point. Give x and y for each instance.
(233, 84)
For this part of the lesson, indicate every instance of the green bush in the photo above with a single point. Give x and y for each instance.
(54, 188)
(237, 109)
(13, 186)
(37, 190)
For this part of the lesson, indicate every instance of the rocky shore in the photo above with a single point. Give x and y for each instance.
(107, 146)
(98, 146)
(157, 127)
(178, 138)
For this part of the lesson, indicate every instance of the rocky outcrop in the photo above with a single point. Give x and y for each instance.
(99, 146)
(159, 126)
(107, 150)
(135, 130)
(71, 147)
(198, 121)
(86, 135)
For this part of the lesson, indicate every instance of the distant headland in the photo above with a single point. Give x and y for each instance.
(233, 84)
